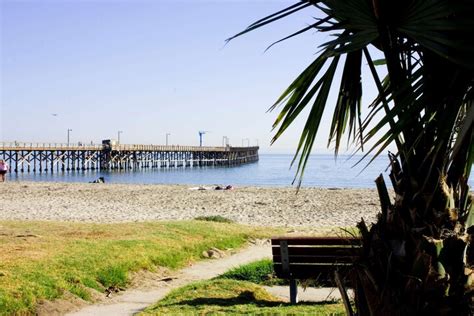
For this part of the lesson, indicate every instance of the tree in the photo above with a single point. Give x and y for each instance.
(417, 257)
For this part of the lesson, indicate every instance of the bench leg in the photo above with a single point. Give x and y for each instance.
(293, 291)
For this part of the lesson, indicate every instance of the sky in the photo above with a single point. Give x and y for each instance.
(148, 68)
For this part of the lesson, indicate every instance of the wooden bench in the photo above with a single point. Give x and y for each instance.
(324, 259)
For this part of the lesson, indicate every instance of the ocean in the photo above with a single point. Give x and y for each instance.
(272, 170)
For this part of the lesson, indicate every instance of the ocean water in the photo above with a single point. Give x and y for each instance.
(270, 171)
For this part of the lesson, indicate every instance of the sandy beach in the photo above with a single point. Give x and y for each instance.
(108, 203)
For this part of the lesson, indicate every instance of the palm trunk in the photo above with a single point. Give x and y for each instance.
(413, 261)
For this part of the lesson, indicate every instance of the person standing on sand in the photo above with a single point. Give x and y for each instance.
(3, 170)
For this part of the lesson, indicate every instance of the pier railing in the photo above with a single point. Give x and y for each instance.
(117, 147)
(48, 146)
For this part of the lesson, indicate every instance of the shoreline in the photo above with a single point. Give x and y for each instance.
(256, 206)
(86, 180)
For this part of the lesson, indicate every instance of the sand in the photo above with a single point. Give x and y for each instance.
(108, 203)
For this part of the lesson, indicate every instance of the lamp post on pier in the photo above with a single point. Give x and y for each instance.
(167, 134)
(118, 137)
(68, 131)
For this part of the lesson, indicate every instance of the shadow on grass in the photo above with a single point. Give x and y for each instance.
(246, 297)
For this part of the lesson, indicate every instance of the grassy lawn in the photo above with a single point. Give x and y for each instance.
(225, 296)
(238, 291)
(45, 260)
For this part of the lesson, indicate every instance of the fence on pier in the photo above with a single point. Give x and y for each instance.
(55, 157)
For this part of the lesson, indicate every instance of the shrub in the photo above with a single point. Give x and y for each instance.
(214, 218)
(260, 272)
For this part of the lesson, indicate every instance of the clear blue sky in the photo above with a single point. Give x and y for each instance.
(147, 68)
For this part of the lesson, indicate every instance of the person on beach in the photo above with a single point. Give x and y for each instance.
(3, 170)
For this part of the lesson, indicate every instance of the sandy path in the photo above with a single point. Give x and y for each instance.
(311, 207)
(135, 300)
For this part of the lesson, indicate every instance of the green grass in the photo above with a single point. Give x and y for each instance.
(45, 260)
(259, 272)
(223, 296)
(214, 218)
(113, 276)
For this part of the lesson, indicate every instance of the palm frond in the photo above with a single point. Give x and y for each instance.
(347, 111)
(441, 26)
(309, 27)
(275, 17)
(311, 127)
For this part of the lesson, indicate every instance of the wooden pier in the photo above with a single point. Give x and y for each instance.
(53, 157)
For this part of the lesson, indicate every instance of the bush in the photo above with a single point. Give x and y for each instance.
(260, 272)
(214, 218)
(113, 276)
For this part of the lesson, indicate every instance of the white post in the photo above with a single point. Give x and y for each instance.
(68, 131)
(118, 137)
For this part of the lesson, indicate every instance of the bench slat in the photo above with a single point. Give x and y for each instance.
(323, 241)
(317, 259)
(302, 271)
(319, 251)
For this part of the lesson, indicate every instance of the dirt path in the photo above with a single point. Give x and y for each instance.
(135, 300)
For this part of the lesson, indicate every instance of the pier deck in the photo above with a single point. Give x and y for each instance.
(54, 157)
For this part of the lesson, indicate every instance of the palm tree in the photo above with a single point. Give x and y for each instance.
(417, 257)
